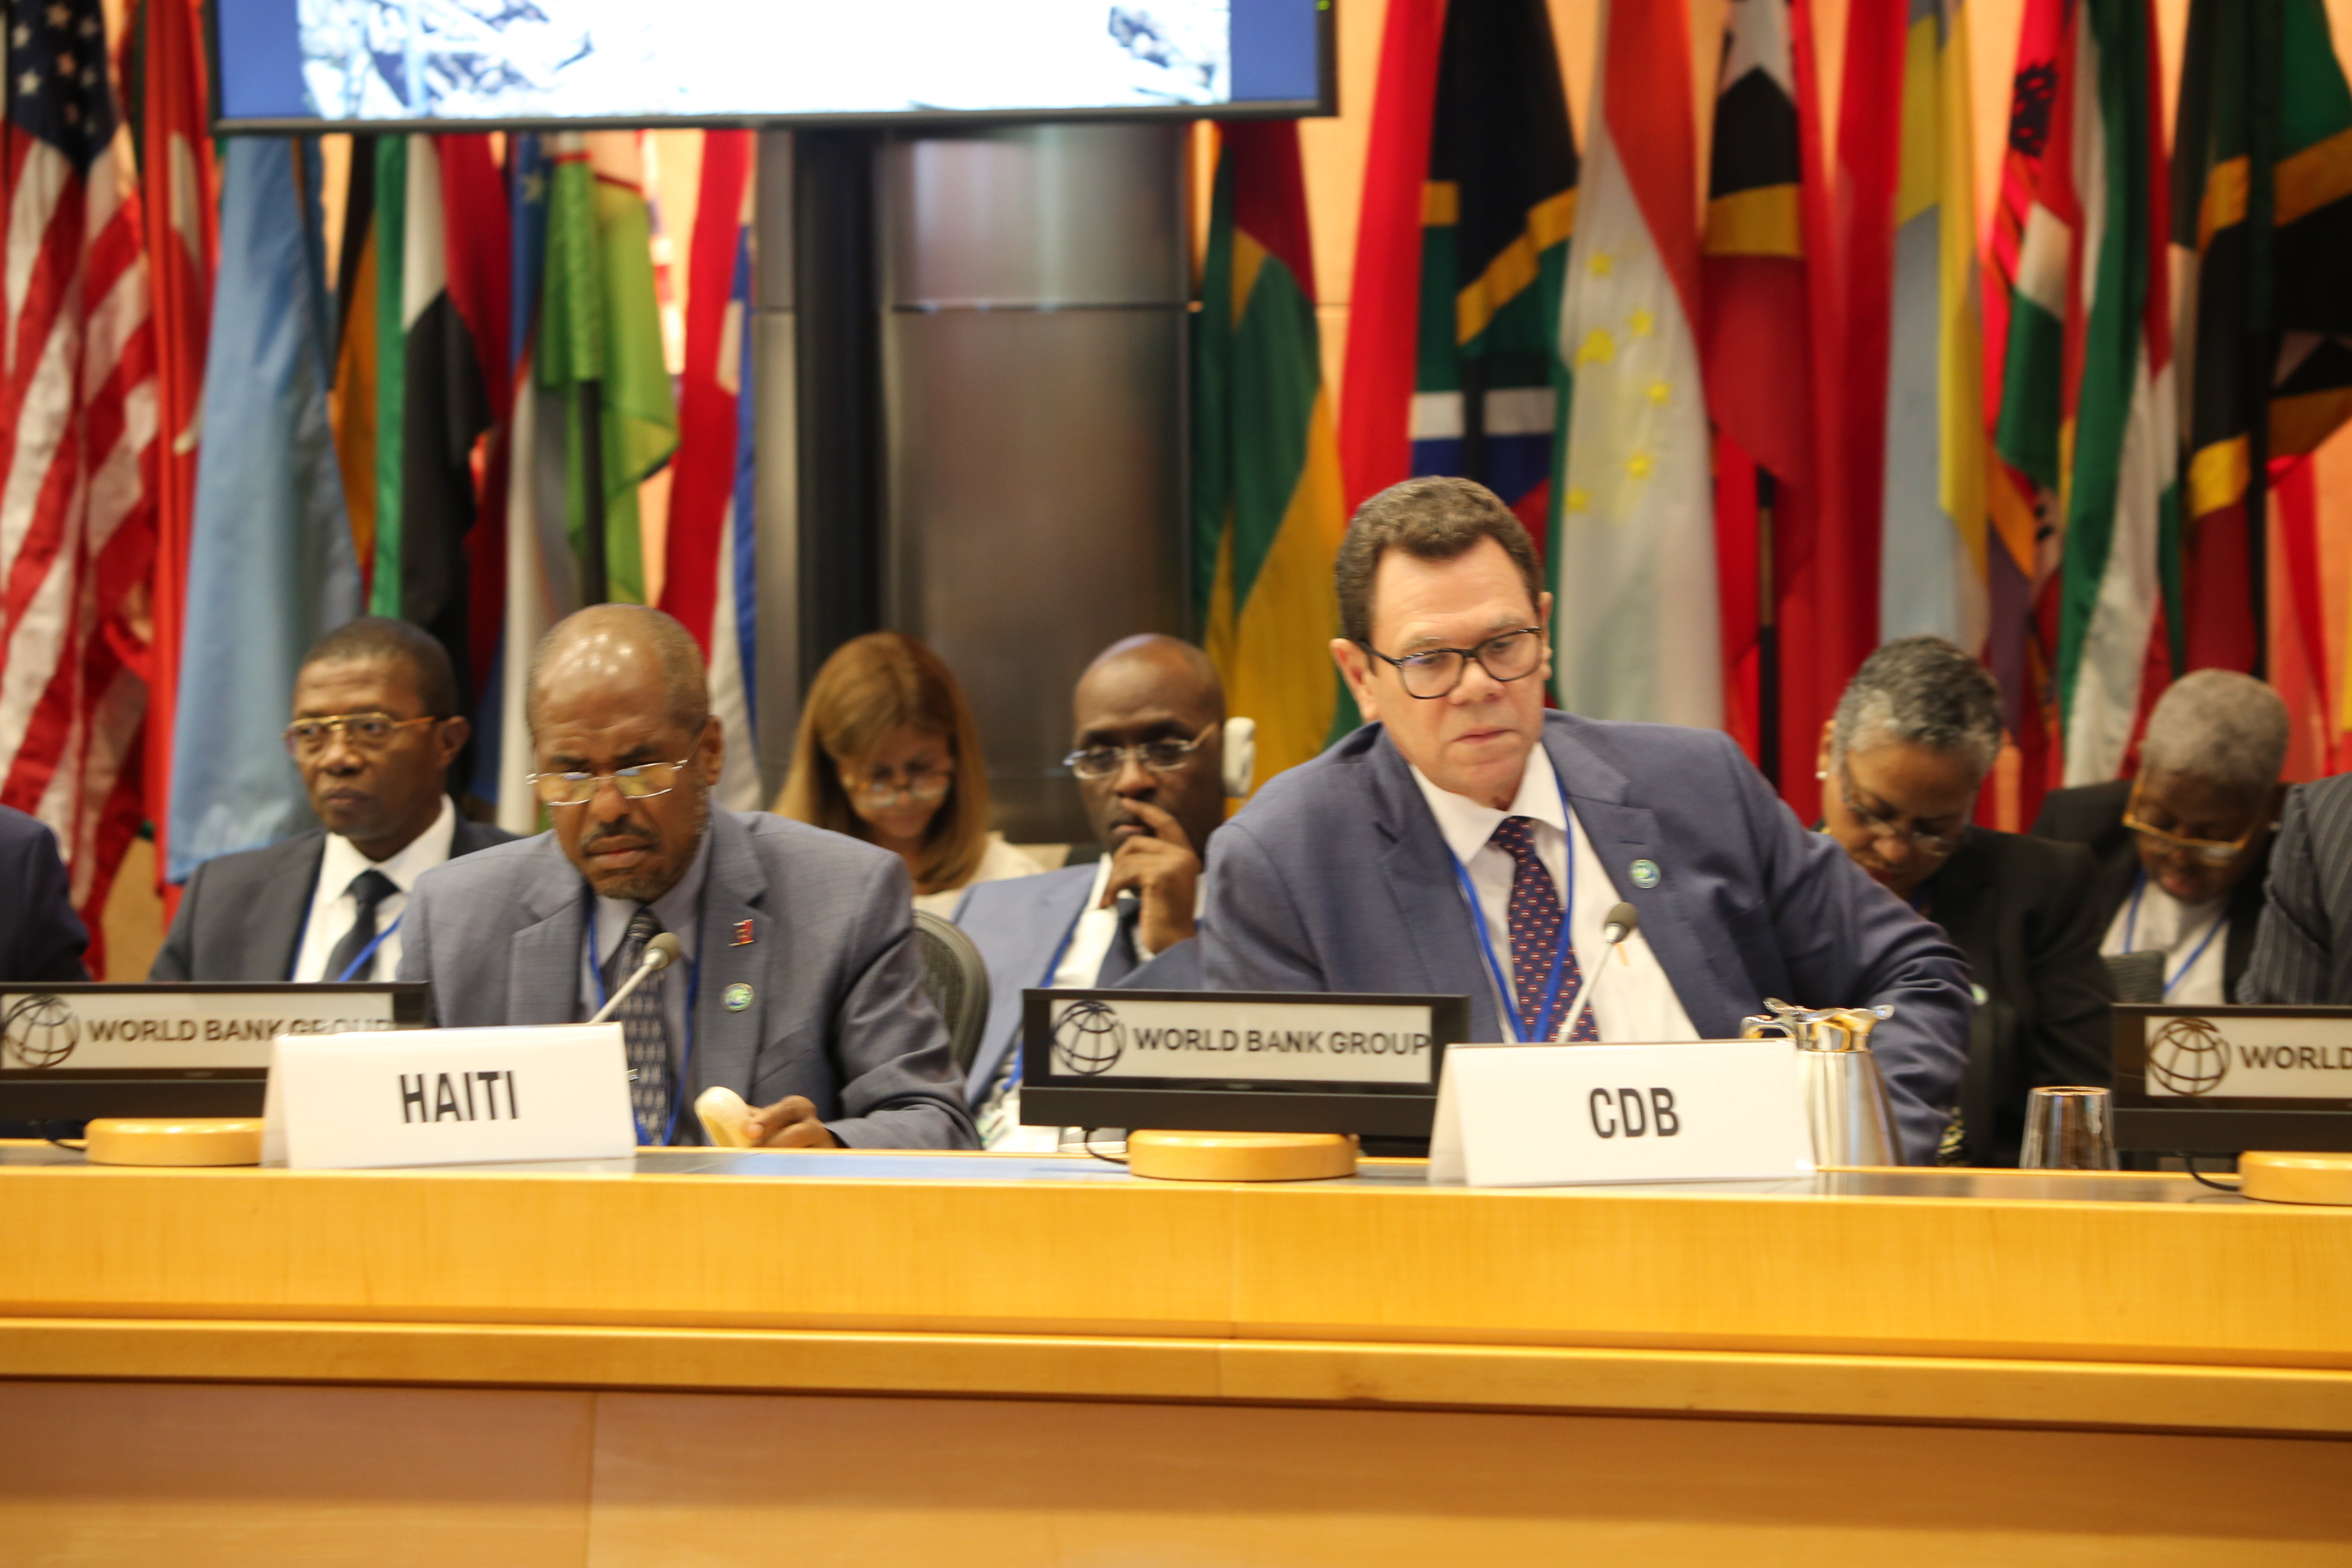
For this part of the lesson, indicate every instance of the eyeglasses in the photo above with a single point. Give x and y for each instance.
(366, 731)
(1436, 672)
(1879, 825)
(920, 783)
(2211, 851)
(1159, 756)
(639, 783)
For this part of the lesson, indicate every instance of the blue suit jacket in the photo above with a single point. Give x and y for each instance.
(41, 938)
(1019, 924)
(1337, 878)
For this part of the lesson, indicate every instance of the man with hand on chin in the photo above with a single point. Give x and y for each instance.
(1466, 841)
(1149, 759)
(798, 985)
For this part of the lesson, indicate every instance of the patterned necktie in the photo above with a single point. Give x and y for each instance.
(643, 1027)
(368, 889)
(1535, 919)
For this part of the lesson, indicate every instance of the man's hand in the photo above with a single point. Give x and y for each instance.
(1164, 871)
(790, 1123)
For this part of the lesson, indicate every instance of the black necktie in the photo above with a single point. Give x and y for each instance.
(1121, 959)
(643, 1027)
(368, 889)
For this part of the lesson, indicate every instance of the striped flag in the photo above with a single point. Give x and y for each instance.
(1267, 512)
(77, 456)
(707, 579)
(1633, 562)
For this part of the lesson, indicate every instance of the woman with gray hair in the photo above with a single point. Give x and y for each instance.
(1902, 762)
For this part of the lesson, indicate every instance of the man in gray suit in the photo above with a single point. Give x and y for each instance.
(1465, 841)
(1149, 716)
(799, 984)
(2302, 953)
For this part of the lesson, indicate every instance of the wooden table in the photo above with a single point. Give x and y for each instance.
(840, 1358)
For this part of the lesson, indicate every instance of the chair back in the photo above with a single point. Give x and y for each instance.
(2138, 976)
(956, 979)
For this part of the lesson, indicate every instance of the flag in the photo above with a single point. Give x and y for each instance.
(1267, 509)
(179, 194)
(270, 564)
(352, 397)
(599, 339)
(2112, 451)
(2262, 226)
(706, 581)
(1633, 564)
(1767, 222)
(77, 447)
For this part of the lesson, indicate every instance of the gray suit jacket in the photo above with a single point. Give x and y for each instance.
(241, 916)
(1019, 924)
(1337, 878)
(837, 1011)
(2302, 951)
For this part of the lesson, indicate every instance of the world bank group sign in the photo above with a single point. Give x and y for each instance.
(1235, 1061)
(69, 1052)
(2226, 1080)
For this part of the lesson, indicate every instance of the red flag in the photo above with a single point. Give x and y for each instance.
(180, 191)
(703, 472)
(478, 246)
(76, 450)
(1384, 304)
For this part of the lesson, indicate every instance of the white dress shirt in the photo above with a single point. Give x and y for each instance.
(2154, 921)
(1637, 1003)
(680, 914)
(333, 910)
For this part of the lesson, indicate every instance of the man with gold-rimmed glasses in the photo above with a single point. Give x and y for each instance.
(375, 727)
(2184, 847)
(798, 984)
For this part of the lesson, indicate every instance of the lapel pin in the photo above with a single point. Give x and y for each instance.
(743, 934)
(1645, 874)
(738, 996)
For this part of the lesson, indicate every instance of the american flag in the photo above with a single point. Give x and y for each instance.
(77, 445)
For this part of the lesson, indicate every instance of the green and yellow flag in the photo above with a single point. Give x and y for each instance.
(1268, 507)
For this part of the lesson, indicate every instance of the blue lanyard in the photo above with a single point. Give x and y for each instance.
(2131, 929)
(1053, 964)
(1540, 1031)
(367, 954)
(685, 1061)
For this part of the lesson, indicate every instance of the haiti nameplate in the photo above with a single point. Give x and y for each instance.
(1528, 1116)
(2226, 1080)
(1235, 1061)
(72, 1051)
(449, 1096)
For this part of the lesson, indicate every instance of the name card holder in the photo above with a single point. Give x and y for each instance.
(1530, 1115)
(448, 1096)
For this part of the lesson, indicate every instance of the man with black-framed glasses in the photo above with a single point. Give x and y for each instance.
(376, 725)
(1467, 841)
(798, 985)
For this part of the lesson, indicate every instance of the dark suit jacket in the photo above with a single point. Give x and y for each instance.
(2092, 815)
(241, 916)
(2303, 954)
(2021, 909)
(41, 938)
(807, 978)
(1335, 878)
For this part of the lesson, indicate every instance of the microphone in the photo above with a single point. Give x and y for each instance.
(1619, 923)
(660, 953)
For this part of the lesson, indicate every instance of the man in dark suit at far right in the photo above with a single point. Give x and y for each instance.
(2304, 952)
(2184, 848)
(375, 727)
(41, 938)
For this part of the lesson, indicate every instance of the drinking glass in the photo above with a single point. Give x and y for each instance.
(2068, 1129)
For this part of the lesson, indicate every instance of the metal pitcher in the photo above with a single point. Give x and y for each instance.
(1846, 1101)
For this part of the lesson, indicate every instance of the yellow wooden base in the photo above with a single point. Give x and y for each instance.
(2297, 1178)
(188, 1141)
(1241, 1156)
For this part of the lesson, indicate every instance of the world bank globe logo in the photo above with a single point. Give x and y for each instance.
(1088, 1038)
(2188, 1056)
(39, 1031)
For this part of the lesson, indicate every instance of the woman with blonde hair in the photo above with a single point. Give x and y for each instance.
(887, 752)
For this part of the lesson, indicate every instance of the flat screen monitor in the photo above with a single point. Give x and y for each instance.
(306, 65)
